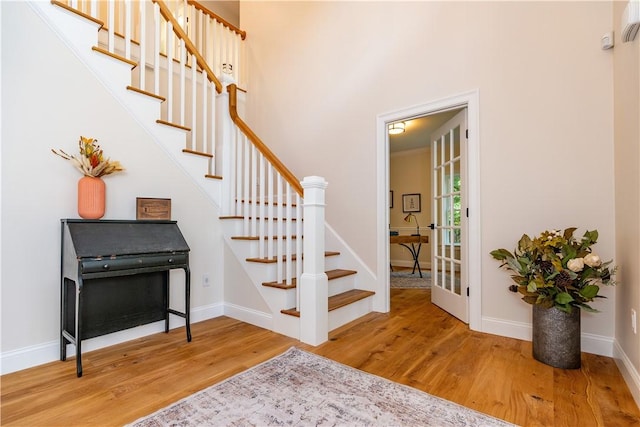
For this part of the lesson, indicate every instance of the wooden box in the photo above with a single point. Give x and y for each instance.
(149, 209)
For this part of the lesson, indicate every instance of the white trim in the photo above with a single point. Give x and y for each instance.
(28, 357)
(628, 371)
(470, 100)
(247, 315)
(589, 343)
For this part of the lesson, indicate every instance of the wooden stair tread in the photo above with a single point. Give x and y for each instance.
(197, 153)
(115, 56)
(274, 260)
(266, 203)
(331, 274)
(212, 176)
(258, 237)
(251, 218)
(337, 301)
(175, 125)
(144, 92)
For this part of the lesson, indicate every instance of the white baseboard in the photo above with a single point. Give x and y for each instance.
(628, 371)
(590, 343)
(253, 317)
(28, 357)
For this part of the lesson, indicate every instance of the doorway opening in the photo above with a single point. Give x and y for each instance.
(439, 199)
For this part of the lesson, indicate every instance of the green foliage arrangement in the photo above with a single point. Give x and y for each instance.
(556, 269)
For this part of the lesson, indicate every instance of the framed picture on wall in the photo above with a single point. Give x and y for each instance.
(411, 203)
(390, 199)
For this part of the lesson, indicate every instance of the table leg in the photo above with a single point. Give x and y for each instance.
(415, 258)
(79, 298)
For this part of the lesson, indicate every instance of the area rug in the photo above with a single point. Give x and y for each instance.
(298, 388)
(403, 279)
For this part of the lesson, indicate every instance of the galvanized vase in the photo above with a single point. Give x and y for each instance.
(556, 337)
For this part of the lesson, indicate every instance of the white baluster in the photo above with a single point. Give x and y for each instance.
(270, 208)
(245, 181)
(234, 57)
(238, 173)
(279, 228)
(156, 49)
(142, 66)
(212, 139)
(127, 29)
(194, 99)
(263, 202)
(254, 191)
(299, 248)
(183, 79)
(218, 60)
(170, 55)
(206, 147)
(111, 24)
(288, 234)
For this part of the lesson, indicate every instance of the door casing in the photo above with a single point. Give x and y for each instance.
(470, 100)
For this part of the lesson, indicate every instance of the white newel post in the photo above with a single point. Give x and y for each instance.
(314, 314)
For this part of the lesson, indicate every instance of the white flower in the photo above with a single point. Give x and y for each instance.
(592, 260)
(576, 264)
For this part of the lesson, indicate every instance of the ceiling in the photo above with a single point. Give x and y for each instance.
(418, 131)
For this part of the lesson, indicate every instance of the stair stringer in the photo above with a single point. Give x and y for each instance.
(367, 280)
(80, 36)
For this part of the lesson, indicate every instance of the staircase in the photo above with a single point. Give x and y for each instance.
(141, 53)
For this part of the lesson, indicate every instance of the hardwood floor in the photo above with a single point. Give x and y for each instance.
(416, 344)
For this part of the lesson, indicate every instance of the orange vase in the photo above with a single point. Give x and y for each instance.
(91, 197)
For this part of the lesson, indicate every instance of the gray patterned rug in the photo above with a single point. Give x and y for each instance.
(298, 388)
(404, 279)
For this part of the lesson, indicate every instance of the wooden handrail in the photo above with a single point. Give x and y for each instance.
(268, 154)
(168, 15)
(242, 34)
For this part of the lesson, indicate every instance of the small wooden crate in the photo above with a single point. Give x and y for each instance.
(150, 209)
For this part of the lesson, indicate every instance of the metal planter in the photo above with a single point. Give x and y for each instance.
(556, 337)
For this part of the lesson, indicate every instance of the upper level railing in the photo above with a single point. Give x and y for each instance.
(219, 42)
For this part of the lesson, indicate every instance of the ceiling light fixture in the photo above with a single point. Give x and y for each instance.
(396, 128)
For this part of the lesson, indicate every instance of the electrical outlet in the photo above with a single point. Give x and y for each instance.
(634, 321)
(205, 280)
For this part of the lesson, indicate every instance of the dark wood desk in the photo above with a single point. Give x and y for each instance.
(115, 276)
(416, 241)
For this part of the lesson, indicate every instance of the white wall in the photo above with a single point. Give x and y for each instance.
(627, 179)
(49, 99)
(229, 10)
(321, 72)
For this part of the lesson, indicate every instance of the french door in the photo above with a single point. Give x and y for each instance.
(449, 216)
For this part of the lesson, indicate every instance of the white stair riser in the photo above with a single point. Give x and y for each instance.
(349, 313)
(342, 284)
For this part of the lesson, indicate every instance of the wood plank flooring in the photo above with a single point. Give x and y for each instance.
(415, 344)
